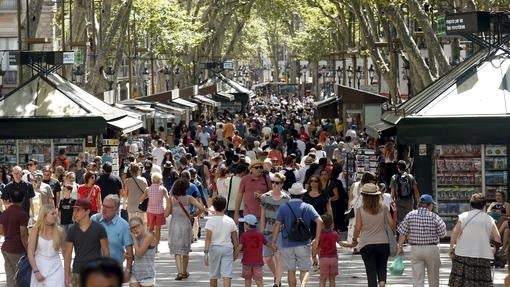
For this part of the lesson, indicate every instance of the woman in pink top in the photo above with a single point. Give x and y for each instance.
(156, 212)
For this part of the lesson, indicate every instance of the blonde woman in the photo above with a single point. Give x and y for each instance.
(156, 212)
(44, 245)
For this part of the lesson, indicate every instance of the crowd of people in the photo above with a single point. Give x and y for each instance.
(251, 177)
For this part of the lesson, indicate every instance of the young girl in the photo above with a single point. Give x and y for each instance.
(144, 272)
(156, 212)
(328, 256)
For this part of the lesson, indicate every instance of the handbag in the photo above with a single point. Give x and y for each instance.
(143, 205)
(389, 232)
(23, 274)
(349, 213)
(452, 250)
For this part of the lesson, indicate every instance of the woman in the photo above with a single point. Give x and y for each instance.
(355, 199)
(335, 189)
(156, 213)
(470, 246)
(169, 175)
(168, 157)
(221, 180)
(370, 229)
(143, 269)
(318, 198)
(4, 177)
(44, 245)
(79, 171)
(180, 228)
(70, 179)
(388, 164)
(499, 209)
(90, 191)
(270, 202)
(134, 187)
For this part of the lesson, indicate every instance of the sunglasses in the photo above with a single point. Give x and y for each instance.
(276, 182)
(30, 164)
(258, 167)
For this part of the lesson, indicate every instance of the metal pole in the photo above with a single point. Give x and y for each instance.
(20, 43)
(153, 89)
(62, 19)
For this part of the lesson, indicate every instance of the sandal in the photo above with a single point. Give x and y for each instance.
(185, 275)
(179, 277)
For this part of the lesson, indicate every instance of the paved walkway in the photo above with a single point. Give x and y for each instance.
(351, 270)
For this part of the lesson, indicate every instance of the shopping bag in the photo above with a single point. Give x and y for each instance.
(397, 267)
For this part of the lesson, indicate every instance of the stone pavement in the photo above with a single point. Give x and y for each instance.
(351, 270)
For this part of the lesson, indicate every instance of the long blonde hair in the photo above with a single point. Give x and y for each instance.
(40, 225)
(372, 203)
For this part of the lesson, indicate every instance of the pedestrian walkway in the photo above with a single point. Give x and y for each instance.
(351, 270)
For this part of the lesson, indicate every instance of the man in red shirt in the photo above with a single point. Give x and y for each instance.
(13, 225)
(252, 186)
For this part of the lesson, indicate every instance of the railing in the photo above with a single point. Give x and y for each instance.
(10, 78)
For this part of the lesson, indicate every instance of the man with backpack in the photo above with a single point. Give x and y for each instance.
(296, 218)
(290, 173)
(404, 191)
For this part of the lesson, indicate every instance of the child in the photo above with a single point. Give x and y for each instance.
(252, 241)
(220, 241)
(66, 208)
(328, 257)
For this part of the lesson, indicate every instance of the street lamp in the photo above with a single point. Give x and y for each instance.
(407, 77)
(177, 72)
(145, 77)
(340, 73)
(350, 73)
(78, 75)
(371, 74)
(359, 74)
(168, 76)
(110, 75)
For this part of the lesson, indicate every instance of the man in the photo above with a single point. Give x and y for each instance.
(120, 242)
(290, 173)
(13, 225)
(43, 192)
(252, 186)
(25, 188)
(102, 272)
(53, 183)
(87, 238)
(296, 254)
(204, 137)
(404, 191)
(159, 151)
(61, 159)
(108, 182)
(32, 167)
(423, 230)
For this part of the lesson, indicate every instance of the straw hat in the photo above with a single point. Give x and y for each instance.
(370, 189)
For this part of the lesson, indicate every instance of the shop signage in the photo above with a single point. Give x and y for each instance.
(68, 58)
(470, 22)
(114, 142)
(41, 57)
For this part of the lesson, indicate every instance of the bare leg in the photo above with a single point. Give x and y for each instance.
(271, 265)
(322, 281)
(247, 282)
(185, 261)
(278, 267)
(259, 283)
(304, 276)
(332, 282)
(213, 282)
(178, 263)
(227, 282)
(157, 233)
(291, 278)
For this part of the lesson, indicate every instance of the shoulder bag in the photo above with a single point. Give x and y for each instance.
(452, 250)
(184, 209)
(143, 205)
(349, 213)
(391, 235)
(23, 274)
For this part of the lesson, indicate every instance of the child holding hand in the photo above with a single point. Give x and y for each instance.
(328, 256)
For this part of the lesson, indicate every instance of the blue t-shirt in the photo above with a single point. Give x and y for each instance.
(117, 231)
(284, 215)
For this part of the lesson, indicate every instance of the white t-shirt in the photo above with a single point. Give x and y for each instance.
(221, 228)
(204, 137)
(159, 154)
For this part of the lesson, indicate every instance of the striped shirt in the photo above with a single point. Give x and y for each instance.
(422, 227)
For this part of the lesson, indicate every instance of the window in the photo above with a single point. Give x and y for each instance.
(7, 44)
(8, 5)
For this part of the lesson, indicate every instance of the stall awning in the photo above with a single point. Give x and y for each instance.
(225, 96)
(380, 129)
(125, 124)
(326, 102)
(354, 96)
(39, 128)
(206, 100)
(185, 103)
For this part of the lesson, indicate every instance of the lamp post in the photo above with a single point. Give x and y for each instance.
(168, 76)
(110, 74)
(176, 73)
(323, 76)
(359, 74)
(350, 73)
(340, 72)
(78, 75)
(371, 74)
(406, 77)
(145, 76)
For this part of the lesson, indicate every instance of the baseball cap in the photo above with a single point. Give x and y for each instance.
(249, 219)
(82, 203)
(427, 199)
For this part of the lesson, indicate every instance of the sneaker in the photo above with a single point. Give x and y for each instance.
(315, 267)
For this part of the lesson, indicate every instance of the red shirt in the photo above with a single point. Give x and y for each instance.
(91, 193)
(252, 241)
(11, 220)
(327, 244)
(248, 186)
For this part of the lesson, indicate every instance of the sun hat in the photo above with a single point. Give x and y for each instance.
(370, 189)
(255, 163)
(297, 189)
(249, 219)
(309, 160)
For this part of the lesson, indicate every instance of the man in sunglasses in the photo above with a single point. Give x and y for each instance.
(32, 168)
(252, 186)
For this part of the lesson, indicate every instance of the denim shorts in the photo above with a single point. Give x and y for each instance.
(268, 251)
(221, 260)
(297, 258)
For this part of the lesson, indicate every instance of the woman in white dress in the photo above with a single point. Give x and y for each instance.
(44, 247)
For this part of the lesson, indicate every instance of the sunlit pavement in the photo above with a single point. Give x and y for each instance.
(351, 270)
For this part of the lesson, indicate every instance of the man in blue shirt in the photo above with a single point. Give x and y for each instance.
(296, 254)
(120, 241)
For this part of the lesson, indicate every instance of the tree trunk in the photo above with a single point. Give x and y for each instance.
(34, 14)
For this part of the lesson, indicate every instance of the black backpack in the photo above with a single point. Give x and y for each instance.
(299, 231)
(290, 179)
(404, 186)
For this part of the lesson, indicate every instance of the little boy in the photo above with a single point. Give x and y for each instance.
(328, 256)
(252, 241)
(220, 240)
(66, 208)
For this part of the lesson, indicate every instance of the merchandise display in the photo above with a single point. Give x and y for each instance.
(72, 146)
(496, 170)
